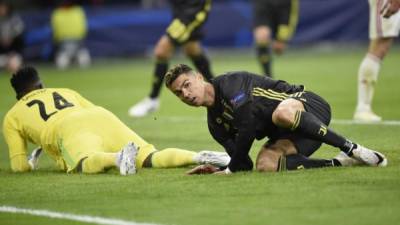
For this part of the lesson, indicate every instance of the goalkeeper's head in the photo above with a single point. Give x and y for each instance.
(25, 80)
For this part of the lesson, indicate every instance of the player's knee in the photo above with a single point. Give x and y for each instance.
(262, 34)
(163, 49)
(161, 53)
(282, 116)
(192, 49)
(284, 113)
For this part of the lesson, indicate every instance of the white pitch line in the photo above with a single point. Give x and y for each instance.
(179, 119)
(69, 216)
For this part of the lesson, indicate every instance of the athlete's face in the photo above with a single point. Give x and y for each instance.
(190, 89)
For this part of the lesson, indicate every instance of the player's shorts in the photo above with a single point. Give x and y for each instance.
(315, 105)
(280, 15)
(96, 130)
(380, 27)
(188, 20)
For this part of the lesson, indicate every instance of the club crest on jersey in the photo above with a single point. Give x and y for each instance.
(238, 98)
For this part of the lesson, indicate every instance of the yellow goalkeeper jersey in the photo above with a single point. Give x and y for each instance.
(33, 118)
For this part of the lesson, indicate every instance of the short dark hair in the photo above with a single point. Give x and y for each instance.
(25, 79)
(175, 72)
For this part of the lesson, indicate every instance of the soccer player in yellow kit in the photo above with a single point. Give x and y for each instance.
(80, 136)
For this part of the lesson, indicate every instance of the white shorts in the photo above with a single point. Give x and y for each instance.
(381, 27)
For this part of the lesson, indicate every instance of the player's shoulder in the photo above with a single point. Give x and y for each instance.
(235, 79)
(8, 114)
(239, 73)
(9, 117)
(233, 76)
(63, 90)
(235, 86)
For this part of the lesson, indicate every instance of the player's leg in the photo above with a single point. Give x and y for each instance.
(63, 55)
(115, 135)
(191, 33)
(14, 53)
(83, 57)
(281, 155)
(162, 52)
(14, 62)
(262, 33)
(91, 141)
(262, 39)
(83, 151)
(368, 76)
(86, 154)
(382, 31)
(287, 18)
(169, 158)
(183, 28)
(175, 157)
(200, 60)
(86, 151)
(309, 115)
(98, 161)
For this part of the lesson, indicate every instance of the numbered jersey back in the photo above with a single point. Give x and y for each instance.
(34, 113)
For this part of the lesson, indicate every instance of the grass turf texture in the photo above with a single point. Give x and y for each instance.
(358, 195)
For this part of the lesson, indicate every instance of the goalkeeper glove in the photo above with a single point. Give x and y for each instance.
(33, 159)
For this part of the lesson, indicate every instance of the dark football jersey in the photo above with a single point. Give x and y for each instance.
(242, 112)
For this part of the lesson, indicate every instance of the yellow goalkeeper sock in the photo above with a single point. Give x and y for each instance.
(99, 162)
(172, 157)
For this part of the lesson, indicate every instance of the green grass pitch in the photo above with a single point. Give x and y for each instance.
(359, 195)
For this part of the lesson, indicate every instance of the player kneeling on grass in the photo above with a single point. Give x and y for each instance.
(242, 107)
(80, 136)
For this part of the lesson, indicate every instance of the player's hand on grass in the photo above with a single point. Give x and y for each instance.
(203, 169)
(221, 173)
(33, 158)
(226, 171)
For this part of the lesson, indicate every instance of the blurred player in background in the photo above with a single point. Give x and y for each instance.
(69, 25)
(184, 31)
(274, 24)
(80, 136)
(11, 38)
(242, 107)
(382, 32)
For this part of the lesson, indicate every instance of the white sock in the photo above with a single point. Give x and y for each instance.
(367, 77)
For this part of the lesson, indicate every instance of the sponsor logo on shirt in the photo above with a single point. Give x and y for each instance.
(238, 98)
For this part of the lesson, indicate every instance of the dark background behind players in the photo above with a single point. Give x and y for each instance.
(131, 28)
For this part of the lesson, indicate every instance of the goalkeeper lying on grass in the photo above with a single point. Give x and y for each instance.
(80, 136)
